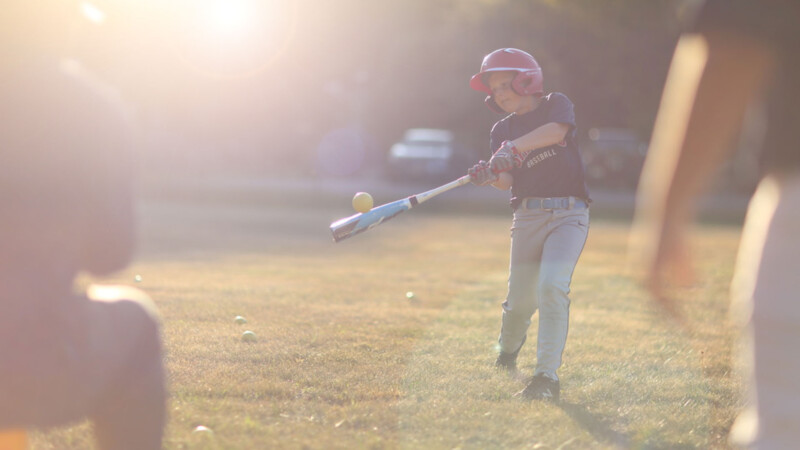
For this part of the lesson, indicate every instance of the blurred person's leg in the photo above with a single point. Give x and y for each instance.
(767, 275)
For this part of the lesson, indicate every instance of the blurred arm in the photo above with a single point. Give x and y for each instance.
(710, 84)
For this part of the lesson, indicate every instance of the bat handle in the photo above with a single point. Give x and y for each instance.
(464, 180)
(498, 172)
(468, 178)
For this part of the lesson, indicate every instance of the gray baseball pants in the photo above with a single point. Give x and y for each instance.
(545, 246)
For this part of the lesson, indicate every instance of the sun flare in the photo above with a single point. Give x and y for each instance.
(234, 38)
(229, 19)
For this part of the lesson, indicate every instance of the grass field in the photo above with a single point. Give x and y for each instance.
(343, 359)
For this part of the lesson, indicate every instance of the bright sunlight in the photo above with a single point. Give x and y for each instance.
(234, 38)
(229, 19)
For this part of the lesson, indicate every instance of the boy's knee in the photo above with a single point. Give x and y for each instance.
(552, 287)
(553, 295)
(518, 310)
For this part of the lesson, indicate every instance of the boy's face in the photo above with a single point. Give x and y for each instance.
(504, 95)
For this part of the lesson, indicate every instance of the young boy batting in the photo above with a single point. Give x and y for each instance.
(535, 155)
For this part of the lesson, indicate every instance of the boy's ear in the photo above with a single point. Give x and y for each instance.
(489, 100)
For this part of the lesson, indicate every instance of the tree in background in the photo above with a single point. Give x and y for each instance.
(365, 67)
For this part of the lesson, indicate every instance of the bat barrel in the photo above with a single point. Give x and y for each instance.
(358, 223)
(343, 229)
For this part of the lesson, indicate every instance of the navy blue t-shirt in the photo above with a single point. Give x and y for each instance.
(775, 24)
(555, 171)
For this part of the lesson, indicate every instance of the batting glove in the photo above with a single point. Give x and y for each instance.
(506, 158)
(481, 174)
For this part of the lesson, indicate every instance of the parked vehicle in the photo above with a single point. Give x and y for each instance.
(613, 157)
(425, 154)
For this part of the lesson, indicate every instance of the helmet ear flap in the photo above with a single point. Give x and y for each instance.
(528, 82)
(489, 100)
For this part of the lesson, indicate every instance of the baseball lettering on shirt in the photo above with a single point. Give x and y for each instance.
(540, 157)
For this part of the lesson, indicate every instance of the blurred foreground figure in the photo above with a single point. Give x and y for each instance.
(738, 51)
(66, 206)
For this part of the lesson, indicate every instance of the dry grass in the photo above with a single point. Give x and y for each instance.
(344, 359)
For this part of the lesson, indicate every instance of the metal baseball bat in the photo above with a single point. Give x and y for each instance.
(358, 223)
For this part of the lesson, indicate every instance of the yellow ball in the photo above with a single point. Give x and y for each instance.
(362, 202)
(201, 429)
(248, 336)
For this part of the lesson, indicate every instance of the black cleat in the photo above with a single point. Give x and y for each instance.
(541, 387)
(508, 361)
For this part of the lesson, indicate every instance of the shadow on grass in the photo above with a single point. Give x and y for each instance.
(597, 426)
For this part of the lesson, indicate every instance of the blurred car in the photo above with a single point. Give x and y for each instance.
(613, 157)
(425, 154)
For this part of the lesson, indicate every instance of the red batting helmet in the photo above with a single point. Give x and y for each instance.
(527, 81)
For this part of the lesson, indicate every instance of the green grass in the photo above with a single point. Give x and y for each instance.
(344, 359)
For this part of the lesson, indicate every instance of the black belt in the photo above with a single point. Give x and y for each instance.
(550, 203)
